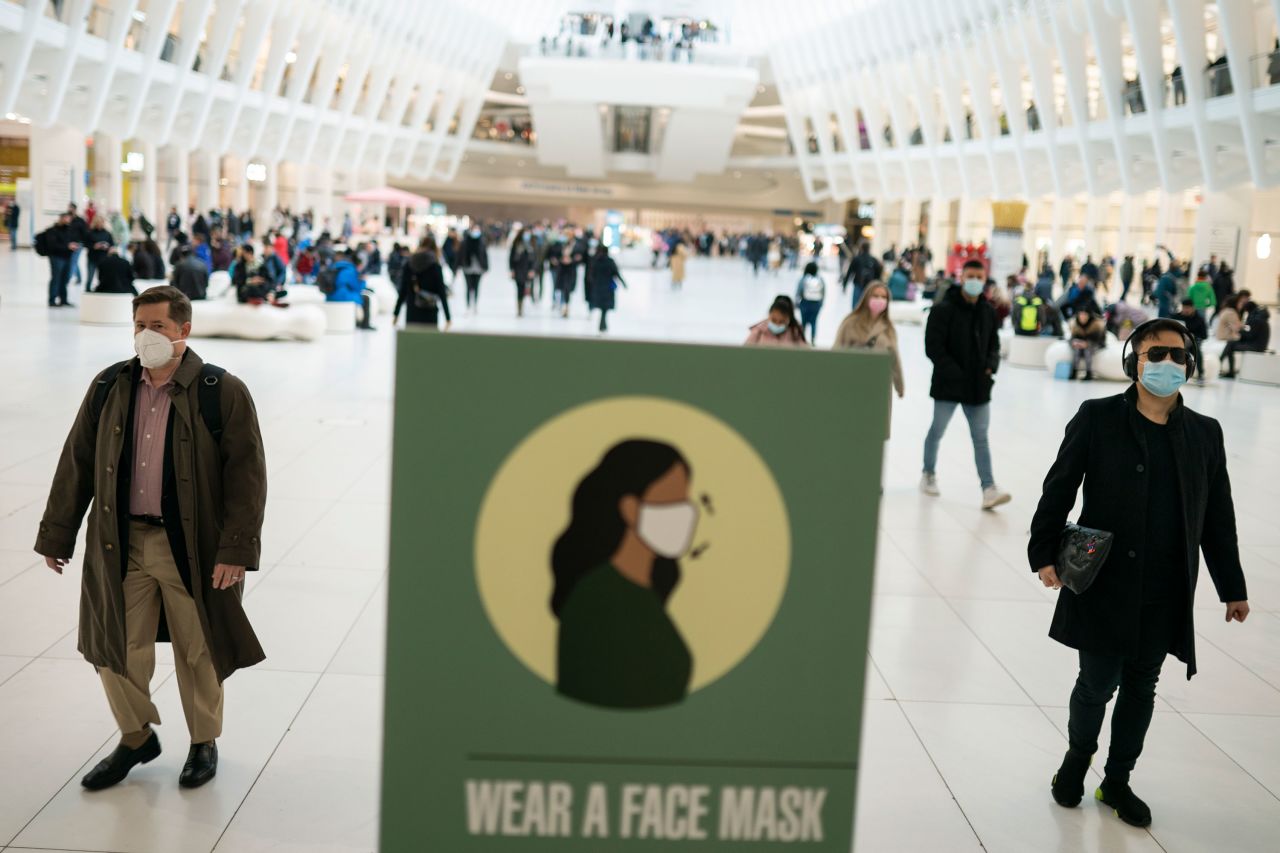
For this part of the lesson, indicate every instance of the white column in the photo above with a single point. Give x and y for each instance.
(239, 184)
(964, 223)
(57, 165)
(302, 174)
(1224, 223)
(270, 193)
(146, 203)
(1163, 209)
(109, 191)
(207, 184)
(179, 189)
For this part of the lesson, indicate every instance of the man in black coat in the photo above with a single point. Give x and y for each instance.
(960, 339)
(59, 245)
(1155, 476)
(115, 274)
(863, 269)
(190, 275)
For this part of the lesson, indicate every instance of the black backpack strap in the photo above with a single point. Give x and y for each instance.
(209, 394)
(102, 388)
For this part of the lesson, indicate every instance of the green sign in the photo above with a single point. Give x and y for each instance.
(630, 594)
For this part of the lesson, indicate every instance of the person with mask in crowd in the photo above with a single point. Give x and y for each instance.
(1126, 277)
(190, 275)
(80, 236)
(1123, 317)
(1201, 293)
(395, 262)
(811, 292)
(450, 252)
(863, 269)
(564, 271)
(172, 227)
(12, 216)
(474, 262)
(520, 261)
(604, 281)
(1199, 331)
(251, 286)
(148, 265)
(273, 269)
(1028, 312)
(99, 241)
(175, 485)
(869, 327)
(1229, 328)
(57, 243)
(1155, 479)
(115, 275)
(423, 293)
(1088, 335)
(1255, 331)
(960, 339)
(679, 257)
(349, 287)
(779, 329)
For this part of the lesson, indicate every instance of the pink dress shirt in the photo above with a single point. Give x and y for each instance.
(150, 421)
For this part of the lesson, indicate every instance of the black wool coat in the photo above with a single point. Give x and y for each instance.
(961, 341)
(1106, 449)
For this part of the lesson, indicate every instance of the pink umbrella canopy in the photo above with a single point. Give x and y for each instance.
(390, 196)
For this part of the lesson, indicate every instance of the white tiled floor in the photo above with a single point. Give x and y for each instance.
(965, 696)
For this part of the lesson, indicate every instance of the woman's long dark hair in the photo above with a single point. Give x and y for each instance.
(787, 306)
(595, 527)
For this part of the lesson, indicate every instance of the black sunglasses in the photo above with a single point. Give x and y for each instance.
(1158, 354)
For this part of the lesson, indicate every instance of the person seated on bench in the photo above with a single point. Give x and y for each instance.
(253, 284)
(345, 285)
(1088, 335)
(1028, 312)
(1194, 321)
(1255, 336)
(115, 274)
(1123, 317)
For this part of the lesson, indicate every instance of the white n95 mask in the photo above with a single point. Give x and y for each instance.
(154, 349)
(667, 528)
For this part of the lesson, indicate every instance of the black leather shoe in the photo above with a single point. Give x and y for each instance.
(112, 769)
(201, 766)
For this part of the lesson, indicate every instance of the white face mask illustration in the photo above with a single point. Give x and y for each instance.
(667, 529)
(154, 349)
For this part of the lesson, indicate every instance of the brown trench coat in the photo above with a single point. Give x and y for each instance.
(219, 493)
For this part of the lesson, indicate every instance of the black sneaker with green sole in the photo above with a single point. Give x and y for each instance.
(1125, 802)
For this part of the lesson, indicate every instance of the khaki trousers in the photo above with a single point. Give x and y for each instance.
(153, 578)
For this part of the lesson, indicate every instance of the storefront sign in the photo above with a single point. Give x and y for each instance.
(624, 612)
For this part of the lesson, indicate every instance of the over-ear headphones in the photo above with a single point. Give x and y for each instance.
(1165, 324)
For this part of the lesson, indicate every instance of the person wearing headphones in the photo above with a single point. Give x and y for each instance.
(1155, 477)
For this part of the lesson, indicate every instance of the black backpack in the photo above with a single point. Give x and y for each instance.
(42, 243)
(327, 280)
(209, 394)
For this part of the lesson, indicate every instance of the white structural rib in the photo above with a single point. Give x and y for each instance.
(195, 17)
(121, 16)
(224, 25)
(77, 23)
(18, 55)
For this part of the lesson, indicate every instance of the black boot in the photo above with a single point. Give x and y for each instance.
(1068, 782)
(1124, 801)
(201, 766)
(112, 769)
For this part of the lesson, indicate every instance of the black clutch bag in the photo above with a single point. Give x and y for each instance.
(1081, 554)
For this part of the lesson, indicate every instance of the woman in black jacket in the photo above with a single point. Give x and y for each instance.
(521, 262)
(147, 263)
(99, 242)
(474, 262)
(423, 293)
(1155, 476)
(603, 279)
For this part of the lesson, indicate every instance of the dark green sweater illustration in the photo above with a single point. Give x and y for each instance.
(618, 647)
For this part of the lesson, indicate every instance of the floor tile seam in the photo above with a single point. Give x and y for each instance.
(19, 508)
(382, 581)
(35, 564)
(1208, 640)
(293, 721)
(319, 518)
(979, 639)
(1274, 794)
(941, 776)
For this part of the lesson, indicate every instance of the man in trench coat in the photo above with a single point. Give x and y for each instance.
(175, 521)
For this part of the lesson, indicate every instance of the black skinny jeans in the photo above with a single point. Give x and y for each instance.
(473, 288)
(1136, 678)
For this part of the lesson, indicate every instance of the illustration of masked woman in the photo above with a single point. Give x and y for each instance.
(615, 568)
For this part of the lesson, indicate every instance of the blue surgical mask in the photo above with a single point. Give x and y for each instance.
(974, 286)
(777, 328)
(1164, 378)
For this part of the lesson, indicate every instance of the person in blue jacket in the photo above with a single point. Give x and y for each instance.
(349, 287)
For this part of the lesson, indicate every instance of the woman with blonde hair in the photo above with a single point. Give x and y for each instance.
(869, 327)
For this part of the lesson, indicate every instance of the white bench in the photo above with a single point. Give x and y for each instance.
(1260, 367)
(1107, 364)
(1029, 351)
(911, 312)
(339, 317)
(107, 309)
(224, 318)
(385, 294)
(219, 284)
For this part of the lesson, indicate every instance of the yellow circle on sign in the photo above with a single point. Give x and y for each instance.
(727, 596)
